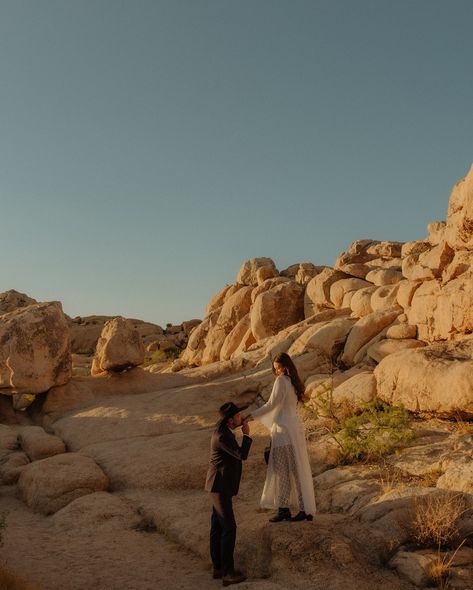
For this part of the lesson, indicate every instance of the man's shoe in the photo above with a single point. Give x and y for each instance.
(217, 574)
(301, 516)
(234, 578)
(282, 514)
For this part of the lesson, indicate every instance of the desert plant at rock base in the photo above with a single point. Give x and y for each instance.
(376, 431)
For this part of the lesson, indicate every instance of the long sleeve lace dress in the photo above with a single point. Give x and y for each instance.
(289, 478)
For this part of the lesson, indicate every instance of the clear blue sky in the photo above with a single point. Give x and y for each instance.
(149, 147)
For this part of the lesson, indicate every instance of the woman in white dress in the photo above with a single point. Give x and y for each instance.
(289, 478)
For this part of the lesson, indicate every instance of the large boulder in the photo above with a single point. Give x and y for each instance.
(387, 346)
(38, 444)
(35, 349)
(247, 274)
(326, 336)
(119, 347)
(233, 310)
(435, 379)
(443, 311)
(459, 231)
(339, 289)
(234, 338)
(384, 297)
(278, 308)
(360, 303)
(48, 485)
(317, 294)
(11, 300)
(365, 330)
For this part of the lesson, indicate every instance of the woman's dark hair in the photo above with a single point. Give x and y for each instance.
(290, 370)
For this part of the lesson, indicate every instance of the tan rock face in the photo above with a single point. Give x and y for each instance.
(38, 444)
(384, 297)
(265, 272)
(273, 310)
(441, 312)
(339, 289)
(317, 294)
(364, 330)
(461, 262)
(217, 300)
(384, 276)
(267, 285)
(360, 303)
(387, 346)
(459, 231)
(357, 253)
(360, 388)
(119, 347)
(48, 485)
(306, 272)
(325, 336)
(401, 331)
(436, 378)
(35, 349)
(358, 270)
(247, 272)
(436, 231)
(11, 300)
(234, 338)
(405, 292)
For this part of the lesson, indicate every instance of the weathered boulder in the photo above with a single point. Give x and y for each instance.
(441, 312)
(48, 485)
(247, 272)
(459, 230)
(317, 294)
(364, 330)
(326, 336)
(267, 285)
(461, 262)
(38, 444)
(401, 331)
(119, 347)
(415, 248)
(436, 231)
(306, 272)
(340, 288)
(216, 301)
(277, 308)
(234, 338)
(35, 349)
(265, 272)
(357, 269)
(384, 276)
(11, 300)
(11, 466)
(356, 390)
(356, 253)
(435, 379)
(384, 297)
(405, 292)
(233, 310)
(360, 303)
(388, 346)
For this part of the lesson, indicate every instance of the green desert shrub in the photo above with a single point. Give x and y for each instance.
(161, 356)
(377, 430)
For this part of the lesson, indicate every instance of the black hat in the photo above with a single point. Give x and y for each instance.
(229, 410)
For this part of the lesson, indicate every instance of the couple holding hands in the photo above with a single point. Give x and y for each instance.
(288, 480)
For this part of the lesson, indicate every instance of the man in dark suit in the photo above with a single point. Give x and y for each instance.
(223, 481)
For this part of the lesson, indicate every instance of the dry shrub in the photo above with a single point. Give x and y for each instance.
(436, 519)
(390, 477)
(439, 570)
(429, 479)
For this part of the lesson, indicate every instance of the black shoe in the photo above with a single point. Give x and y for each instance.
(302, 516)
(234, 578)
(282, 514)
(217, 574)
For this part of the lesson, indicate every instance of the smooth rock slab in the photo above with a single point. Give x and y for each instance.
(38, 444)
(47, 486)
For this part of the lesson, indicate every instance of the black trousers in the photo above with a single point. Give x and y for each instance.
(222, 534)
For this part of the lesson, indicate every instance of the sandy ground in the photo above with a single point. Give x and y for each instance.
(150, 530)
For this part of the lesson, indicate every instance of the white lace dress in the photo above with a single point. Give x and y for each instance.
(289, 478)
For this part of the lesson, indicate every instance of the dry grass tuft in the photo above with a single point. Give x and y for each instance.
(429, 479)
(439, 570)
(436, 519)
(390, 478)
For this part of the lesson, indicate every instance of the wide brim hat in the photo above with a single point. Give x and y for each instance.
(228, 410)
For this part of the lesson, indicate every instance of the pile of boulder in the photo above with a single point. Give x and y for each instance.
(399, 311)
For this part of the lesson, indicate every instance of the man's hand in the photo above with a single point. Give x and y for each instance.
(245, 428)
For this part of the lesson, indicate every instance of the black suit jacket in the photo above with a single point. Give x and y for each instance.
(226, 457)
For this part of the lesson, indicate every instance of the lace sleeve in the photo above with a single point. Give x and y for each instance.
(275, 399)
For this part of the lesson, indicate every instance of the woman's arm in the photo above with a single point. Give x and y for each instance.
(275, 399)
